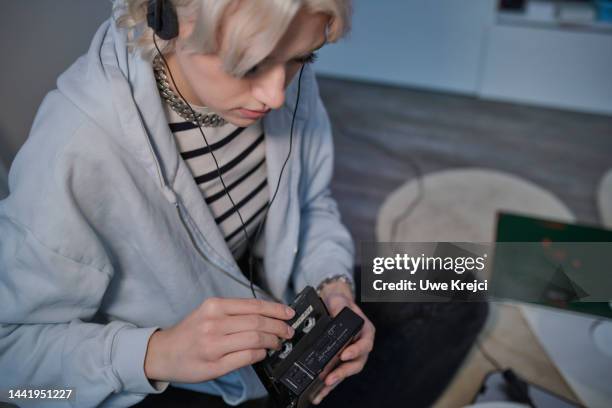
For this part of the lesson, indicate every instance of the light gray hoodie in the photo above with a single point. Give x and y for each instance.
(105, 236)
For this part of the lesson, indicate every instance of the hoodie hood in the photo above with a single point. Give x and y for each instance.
(116, 89)
(109, 84)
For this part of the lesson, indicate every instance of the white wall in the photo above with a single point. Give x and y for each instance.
(459, 46)
(39, 39)
(434, 44)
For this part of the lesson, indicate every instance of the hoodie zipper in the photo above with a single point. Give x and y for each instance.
(170, 195)
(179, 210)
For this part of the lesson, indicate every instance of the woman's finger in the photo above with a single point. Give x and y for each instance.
(360, 348)
(222, 306)
(238, 359)
(363, 346)
(345, 370)
(237, 324)
(324, 393)
(248, 340)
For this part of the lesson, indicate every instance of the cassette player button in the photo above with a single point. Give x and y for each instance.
(296, 379)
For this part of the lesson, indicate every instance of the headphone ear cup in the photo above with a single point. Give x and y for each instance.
(162, 18)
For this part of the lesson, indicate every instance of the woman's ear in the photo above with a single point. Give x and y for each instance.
(186, 28)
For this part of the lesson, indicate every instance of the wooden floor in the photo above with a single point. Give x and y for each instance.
(381, 132)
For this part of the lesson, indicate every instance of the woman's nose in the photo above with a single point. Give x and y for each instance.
(269, 88)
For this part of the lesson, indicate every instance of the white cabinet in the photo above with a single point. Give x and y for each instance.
(424, 43)
(550, 66)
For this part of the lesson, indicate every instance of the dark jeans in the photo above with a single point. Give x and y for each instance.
(418, 348)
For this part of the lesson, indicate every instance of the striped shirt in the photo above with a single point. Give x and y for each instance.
(240, 154)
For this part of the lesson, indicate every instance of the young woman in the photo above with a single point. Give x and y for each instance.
(185, 155)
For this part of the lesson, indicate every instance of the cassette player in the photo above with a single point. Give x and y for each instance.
(295, 374)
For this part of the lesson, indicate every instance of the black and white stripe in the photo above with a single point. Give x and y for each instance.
(240, 153)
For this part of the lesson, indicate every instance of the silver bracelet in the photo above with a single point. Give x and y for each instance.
(337, 278)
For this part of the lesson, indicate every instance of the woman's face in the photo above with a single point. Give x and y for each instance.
(202, 80)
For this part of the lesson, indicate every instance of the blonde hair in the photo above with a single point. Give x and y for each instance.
(264, 22)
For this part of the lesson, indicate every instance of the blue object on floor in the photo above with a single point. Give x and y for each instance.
(604, 10)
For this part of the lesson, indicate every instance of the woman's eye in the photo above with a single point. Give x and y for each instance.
(308, 59)
(252, 71)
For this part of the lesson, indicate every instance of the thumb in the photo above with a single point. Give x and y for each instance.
(335, 303)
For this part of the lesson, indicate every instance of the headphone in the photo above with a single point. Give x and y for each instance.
(162, 18)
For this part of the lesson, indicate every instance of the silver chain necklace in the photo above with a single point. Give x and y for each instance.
(176, 103)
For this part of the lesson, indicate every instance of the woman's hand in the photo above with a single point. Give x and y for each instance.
(336, 296)
(220, 336)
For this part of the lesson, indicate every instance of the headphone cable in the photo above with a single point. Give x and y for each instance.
(259, 228)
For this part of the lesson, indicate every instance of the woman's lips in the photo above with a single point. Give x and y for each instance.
(251, 114)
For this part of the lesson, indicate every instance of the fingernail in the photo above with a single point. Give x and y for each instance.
(290, 312)
(332, 381)
(316, 401)
(291, 331)
(348, 355)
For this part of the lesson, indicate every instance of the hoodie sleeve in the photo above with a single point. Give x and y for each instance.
(325, 245)
(54, 273)
(45, 339)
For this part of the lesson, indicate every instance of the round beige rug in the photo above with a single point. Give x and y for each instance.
(461, 205)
